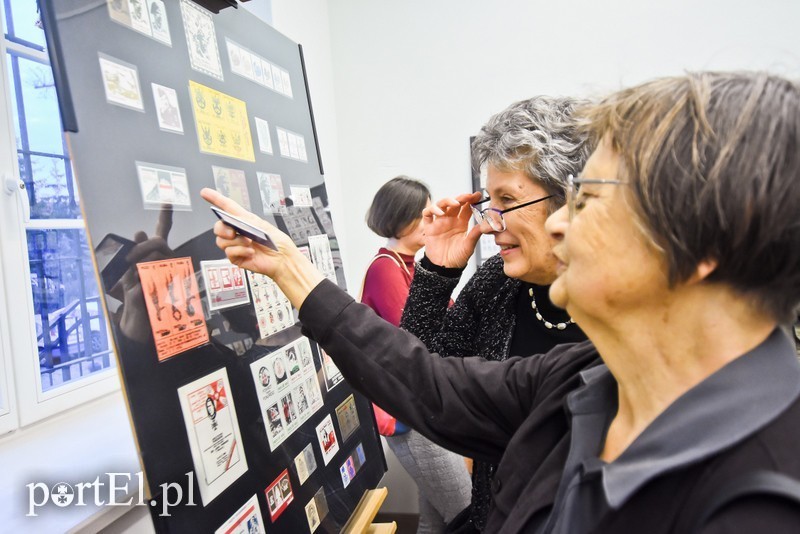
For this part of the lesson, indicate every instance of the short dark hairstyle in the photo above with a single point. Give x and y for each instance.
(539, 137)
(714, 164)
(398, 203)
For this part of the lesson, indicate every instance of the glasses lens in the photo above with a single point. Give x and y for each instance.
(571, 191)
(476, 214)
(495, 220)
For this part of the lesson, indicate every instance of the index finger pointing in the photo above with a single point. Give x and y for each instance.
(221, 201)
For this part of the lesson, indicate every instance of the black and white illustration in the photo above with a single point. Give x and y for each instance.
(321, 255)
(167, 109)
(201, 38)
(121, 82)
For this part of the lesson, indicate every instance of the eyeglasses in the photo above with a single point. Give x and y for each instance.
(494, 216)
(574, 202)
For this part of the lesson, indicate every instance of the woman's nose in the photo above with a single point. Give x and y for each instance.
(557, 224)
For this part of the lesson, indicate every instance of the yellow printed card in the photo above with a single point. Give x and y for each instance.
(221, 122)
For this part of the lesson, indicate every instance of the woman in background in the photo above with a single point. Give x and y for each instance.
(441, 476)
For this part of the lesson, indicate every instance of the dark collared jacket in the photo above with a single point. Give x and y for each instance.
(513, 413)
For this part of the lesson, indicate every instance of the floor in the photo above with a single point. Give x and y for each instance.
(406, 523)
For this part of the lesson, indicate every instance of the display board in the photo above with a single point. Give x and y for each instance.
(242, 423)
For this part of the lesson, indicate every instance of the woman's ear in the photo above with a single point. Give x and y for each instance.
(703, 270)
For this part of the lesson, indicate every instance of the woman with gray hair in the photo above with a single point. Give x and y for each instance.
(527, 152)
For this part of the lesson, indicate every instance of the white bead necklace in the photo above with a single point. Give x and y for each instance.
(547, 324)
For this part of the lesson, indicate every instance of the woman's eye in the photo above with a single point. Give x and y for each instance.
(580, 200)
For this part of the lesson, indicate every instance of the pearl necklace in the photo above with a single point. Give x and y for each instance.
(547, 324)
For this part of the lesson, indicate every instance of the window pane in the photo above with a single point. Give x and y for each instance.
(13, 95)
(71, 332)
(25, 20)
(42, 119)
(52, 194)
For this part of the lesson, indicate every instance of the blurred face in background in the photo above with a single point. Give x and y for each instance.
(412, 237)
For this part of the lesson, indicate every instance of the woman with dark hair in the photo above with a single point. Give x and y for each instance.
(678, 253)
(441, 476)
(395, 214)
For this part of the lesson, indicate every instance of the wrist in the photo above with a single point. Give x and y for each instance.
(447, 272)
(297, 277)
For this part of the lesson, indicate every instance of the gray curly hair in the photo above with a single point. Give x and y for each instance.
(539, 137)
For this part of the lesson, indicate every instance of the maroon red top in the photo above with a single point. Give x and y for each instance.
(386, 285)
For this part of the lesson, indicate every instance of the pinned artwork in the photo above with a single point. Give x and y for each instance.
(162, 185)
(121, 83)
(167, 109)
(246, 520)
(300, 223)
(158, 21)
(214, 437)
(264, 138)
(301, 196)
(148, 17)
(173, 305)
(221, 122)
(312, 515)
(201, 38)
(333, 377)
(326, 436)
(233, 184)
(321, 255)
(225, 284)
(288, 390)
(348, 417)
(279, 495)
(271, 188)
(292, 145)
(273, 310)
(305, 463)
(247, 64)
(352, 465)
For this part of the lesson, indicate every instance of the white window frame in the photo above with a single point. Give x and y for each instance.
(21, 354)
(8, 412)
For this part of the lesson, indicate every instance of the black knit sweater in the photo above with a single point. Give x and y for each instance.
(480, 323)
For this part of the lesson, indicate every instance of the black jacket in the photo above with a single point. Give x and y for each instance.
(512, 413)
(482, 323)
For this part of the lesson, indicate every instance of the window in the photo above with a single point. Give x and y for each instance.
(61, 350)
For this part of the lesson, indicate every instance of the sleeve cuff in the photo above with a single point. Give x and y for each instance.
(321, 308)
(447, 272)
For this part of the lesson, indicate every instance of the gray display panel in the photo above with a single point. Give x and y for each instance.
(161, 112)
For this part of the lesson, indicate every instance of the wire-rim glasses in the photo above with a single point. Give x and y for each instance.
(573, 190)
(494, 216)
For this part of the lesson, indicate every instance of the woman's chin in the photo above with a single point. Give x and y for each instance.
(512, 269)
(558, 293)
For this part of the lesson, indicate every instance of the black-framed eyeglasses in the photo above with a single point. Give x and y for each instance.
(494, 216)
(573, 191)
